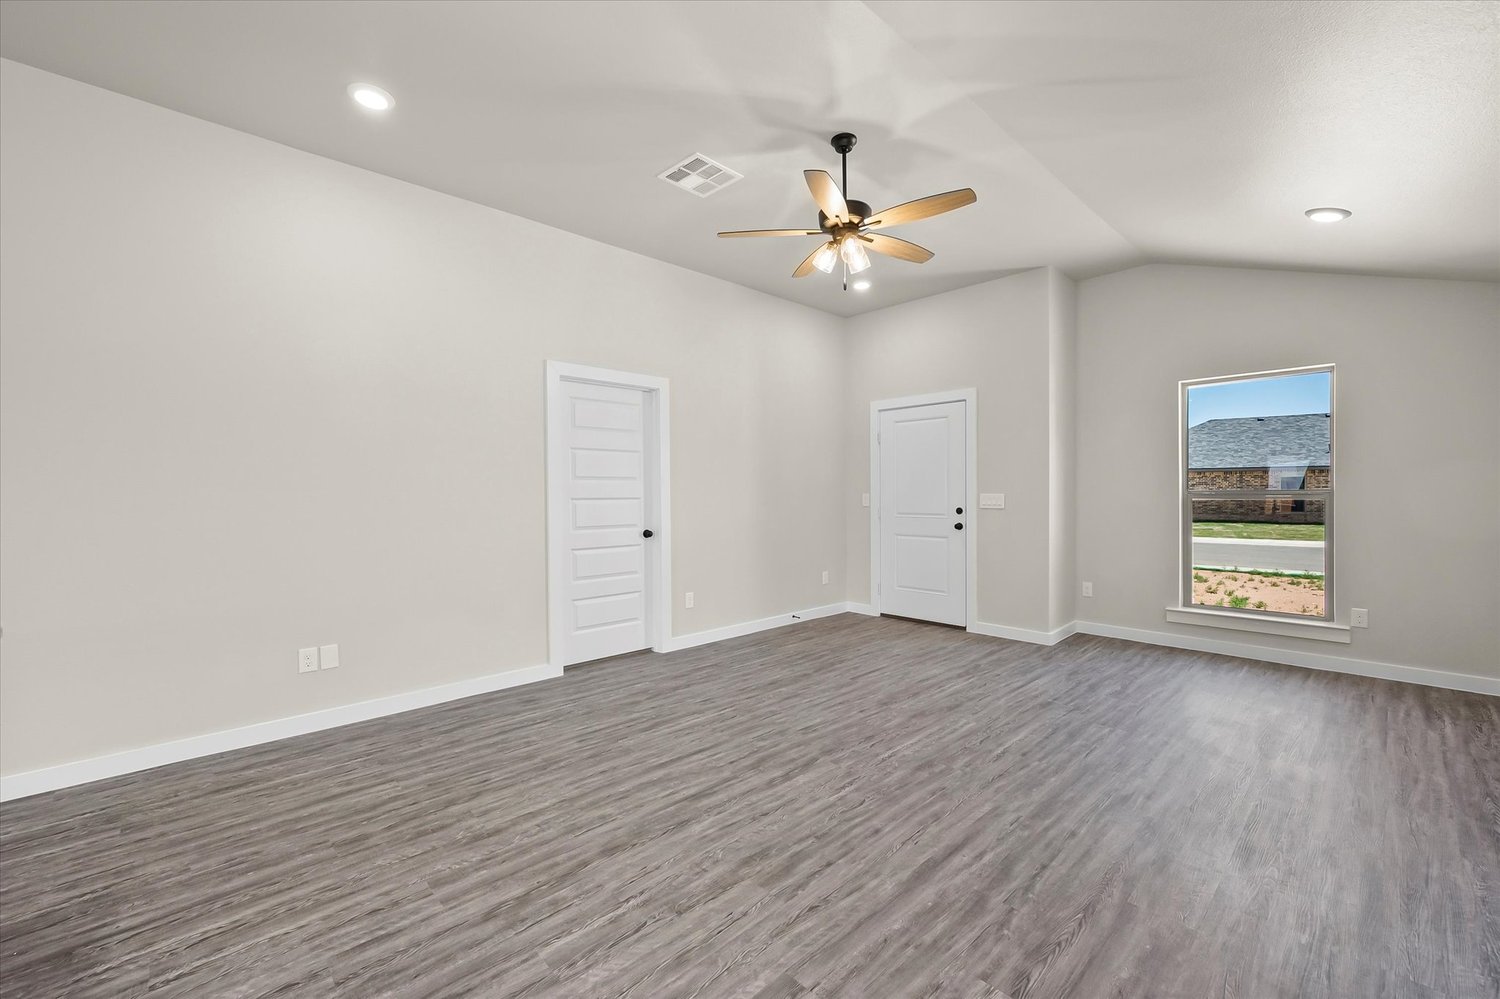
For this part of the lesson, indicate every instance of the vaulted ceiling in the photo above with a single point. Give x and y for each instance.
(1098, 135)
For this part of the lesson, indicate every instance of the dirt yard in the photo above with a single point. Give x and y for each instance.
(1287, 594)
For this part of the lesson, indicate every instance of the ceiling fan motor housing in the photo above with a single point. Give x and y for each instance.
(858, 209)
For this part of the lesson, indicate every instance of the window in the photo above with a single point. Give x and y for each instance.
(1257, 493)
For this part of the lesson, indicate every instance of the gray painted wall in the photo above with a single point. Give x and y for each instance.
(1417, 514)
(253, 400)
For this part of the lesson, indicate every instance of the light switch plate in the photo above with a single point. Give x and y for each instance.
(864, 499)
(328, 656)
(687, 600)
(307, 660)
(992, 501)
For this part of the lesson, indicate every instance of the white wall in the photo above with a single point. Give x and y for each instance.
(255, 400)
(997, 338)
(1418, 451)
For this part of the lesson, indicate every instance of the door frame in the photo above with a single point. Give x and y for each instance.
(656, 477)
(968, 397)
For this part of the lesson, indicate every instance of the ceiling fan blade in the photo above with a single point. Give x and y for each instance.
(893, 247)
(826, 193)
(923, 208)
(806, 267)
(772, 232)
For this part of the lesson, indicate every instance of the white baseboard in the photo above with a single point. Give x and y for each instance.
(698, 638)
(147, 757)
(1021, 634)
(1294, 657)
(116, 764)
(24, 785)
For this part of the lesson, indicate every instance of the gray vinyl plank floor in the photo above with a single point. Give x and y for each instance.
(851, 807)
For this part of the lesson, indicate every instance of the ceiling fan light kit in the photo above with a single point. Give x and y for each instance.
(849, 226)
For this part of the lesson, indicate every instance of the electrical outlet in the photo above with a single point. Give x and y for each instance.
(825, 577)
(1359, 617)
(307, 660)
(687, 600)
(1088, 589)
(328, 656)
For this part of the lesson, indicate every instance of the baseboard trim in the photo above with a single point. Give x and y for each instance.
(24, 785)
(697, 638)
(1022, 634)
(1293, 657)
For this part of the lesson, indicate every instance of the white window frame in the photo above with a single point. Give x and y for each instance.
(1246, 618)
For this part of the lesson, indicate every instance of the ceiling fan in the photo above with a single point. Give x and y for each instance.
(850, 227)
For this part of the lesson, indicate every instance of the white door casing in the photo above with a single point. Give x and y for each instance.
(921, 508)
(606, 488)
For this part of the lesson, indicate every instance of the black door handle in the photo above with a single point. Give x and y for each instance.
(958, 527)
(646, 533)
(958, 510)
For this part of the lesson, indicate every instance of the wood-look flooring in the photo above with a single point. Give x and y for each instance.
(849, 807)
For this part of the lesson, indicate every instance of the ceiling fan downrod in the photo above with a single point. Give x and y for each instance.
(842, 144)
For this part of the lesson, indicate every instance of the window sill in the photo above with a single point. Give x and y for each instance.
(1318, 631)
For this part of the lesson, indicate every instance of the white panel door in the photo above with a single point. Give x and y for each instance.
(923, 514)
(603, 433)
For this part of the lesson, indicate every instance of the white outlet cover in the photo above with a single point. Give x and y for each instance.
(328, 656)
(1088, 589)
(825, 577)
(1359, 617)
(307, 660)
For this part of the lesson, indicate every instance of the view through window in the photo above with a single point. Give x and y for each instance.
(1258, 493)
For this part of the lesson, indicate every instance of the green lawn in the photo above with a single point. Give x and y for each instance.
(1277, 532)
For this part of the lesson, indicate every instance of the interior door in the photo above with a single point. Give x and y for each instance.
(923, 513)
(603, 432)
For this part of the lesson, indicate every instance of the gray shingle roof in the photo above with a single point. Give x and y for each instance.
(1260, 442)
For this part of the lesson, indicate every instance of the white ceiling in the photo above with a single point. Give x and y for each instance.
(1202, 131)
(1097, 135)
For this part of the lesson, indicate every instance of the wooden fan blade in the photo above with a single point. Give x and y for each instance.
(923, 208)
(893, 247)
(772, 232)
(826, 193)
(806, 267)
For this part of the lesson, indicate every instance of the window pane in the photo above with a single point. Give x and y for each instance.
(1260, 433)
(1262, 554)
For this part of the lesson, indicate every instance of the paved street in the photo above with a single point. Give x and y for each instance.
(1236, 553)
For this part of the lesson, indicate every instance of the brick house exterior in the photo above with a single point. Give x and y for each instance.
(1269, 452)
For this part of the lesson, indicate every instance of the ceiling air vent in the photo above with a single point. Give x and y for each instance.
(700, 175)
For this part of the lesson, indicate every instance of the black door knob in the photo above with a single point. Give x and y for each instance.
(959, 510)
(958, 527)
(646, 533)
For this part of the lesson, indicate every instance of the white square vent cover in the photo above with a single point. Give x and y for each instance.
(700, 175)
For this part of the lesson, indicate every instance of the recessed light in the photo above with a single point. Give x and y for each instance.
(371, 97)
(861, 286)
(1328, 214)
